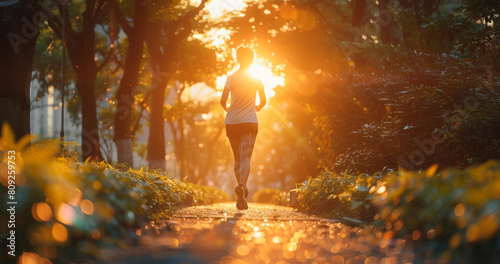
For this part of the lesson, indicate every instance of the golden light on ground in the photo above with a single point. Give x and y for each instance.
(65, 214)
(32, 258)
(75, 196)
(59, 233)
(87, 207)
(41, 212)
(242, 250)
(337, 259)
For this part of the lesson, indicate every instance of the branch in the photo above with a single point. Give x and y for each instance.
(105, 61)
(56, 24)
(121, 18)
(97, 11)
(136, 126)
(184, 21)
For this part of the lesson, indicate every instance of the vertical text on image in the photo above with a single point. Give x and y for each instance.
(11, 202)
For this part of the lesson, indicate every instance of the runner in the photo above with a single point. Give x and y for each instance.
(241, 120)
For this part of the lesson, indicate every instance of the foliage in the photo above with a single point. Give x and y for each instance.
(334, 195)
(266, 195)
(473, 133)
(395, 118)
(283, 199)
(71, 207)
(453, 213)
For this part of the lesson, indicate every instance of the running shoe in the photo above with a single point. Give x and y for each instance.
(241, 202)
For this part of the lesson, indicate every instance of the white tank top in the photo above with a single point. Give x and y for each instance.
(243, 88)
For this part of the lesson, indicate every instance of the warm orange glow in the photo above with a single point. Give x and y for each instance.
(59, 233)
(459, 210)
(66, 214)
(268, 79)
(41, 212)
(215, 38)
(218, 8)
(96, 185)
(262, 73)
(96, 234)
(242, 250)
(32, 258)
(87, 207)
(75, 197)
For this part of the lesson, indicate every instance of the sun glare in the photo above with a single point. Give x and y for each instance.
(262, 73)
(268, 79)
(218, 8)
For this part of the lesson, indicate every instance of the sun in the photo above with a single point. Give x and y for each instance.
(260, 72)
(267, 77)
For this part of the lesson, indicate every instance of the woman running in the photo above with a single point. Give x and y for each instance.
(241, 120)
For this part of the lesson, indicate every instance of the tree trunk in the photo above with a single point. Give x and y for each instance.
(124, 95)
(90, 131)
(156, 139)
(386, 23)
(18, 34)
(358, 12)
(179, 150)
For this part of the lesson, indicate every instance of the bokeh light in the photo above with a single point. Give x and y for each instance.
(66, 214)
(59, 233)
(87, 207)
(41, 212)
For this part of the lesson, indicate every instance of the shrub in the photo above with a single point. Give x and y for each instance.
(380, 115)
(283, 199)
(334, 195)
(453, 213)
(266, 196)
(66, 207)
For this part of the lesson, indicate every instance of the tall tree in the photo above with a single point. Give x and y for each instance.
(163, 39)
(136, 34)
(19, 28)
(83, 55)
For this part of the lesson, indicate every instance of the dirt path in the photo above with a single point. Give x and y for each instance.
(263, 234)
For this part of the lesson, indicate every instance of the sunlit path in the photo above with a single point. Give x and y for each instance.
(263, 234)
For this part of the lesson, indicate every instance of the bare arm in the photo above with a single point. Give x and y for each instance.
(223, 99)
(262, 98)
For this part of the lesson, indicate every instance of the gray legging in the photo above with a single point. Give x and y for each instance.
(242, 151)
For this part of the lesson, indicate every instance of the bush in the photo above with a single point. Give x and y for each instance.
(473, 132)
(379, 117)
(334, 195)
(266, 196)
(283, 199)
(453, 213)
(272, 196)
(66, 208)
